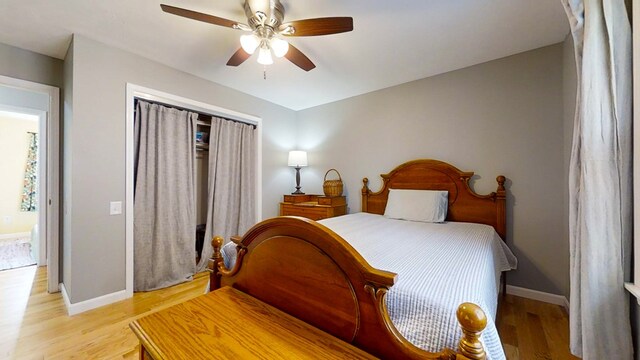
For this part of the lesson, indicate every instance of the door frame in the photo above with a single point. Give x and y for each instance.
(49, 176)
(141, 92)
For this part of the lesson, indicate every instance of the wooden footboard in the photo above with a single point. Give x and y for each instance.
(306, 270)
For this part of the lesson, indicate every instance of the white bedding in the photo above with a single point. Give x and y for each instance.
(439, 266)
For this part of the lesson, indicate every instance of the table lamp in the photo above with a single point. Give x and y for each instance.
(297, 159)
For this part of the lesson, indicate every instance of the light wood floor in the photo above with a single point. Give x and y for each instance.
(34, 324)
(532, 329)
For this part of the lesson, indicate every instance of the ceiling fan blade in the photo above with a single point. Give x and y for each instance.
(238, 58)
(299, 59)
(315, 27)
(201, 17)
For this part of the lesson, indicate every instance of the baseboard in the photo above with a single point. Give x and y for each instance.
(65, 297)
(77, 308)
(538, 295)
(15, 235)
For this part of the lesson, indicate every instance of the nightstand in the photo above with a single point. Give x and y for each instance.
(314, 207)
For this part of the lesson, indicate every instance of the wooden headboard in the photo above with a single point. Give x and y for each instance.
(464, 204)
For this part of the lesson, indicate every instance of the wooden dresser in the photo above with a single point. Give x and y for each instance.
(229, 324)
(314, 207)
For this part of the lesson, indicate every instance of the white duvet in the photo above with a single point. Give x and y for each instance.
(439, 266)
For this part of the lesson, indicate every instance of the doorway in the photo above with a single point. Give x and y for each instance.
(19, 236)
(29, 159)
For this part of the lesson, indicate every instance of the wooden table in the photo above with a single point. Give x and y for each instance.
(229, 324)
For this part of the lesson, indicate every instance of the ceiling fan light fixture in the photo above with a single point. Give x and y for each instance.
(267, 28)
(264, 56)
(249, 43)
(280, 47)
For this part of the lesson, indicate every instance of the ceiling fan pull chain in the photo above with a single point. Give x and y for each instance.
(264, 72)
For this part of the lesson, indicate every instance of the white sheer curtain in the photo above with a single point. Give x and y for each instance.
(231, 196)
(600, 180)
(164, 198)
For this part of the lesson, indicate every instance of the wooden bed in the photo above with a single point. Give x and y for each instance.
(305, 269)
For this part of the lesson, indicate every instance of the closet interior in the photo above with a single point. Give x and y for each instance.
(203, 130)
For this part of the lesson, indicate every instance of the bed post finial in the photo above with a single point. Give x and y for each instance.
(472, 320)
(501, 211)
(365, 194)
(365, 186)
(214, 262)
(501, 179)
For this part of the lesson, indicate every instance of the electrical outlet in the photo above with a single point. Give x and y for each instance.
(7, 219)
(115, 208)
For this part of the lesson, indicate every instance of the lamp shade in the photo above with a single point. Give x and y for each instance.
(279, 47)
(297, 158)
(249, 43)
(264, 56)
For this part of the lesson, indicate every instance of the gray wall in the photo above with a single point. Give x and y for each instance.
(65, 163)
(97, 156)
(501, 117)
(26, 65)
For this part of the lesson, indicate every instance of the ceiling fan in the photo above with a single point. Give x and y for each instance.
(267, 29)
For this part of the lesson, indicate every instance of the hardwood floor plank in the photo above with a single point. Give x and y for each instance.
(540, 346)
(35, 325)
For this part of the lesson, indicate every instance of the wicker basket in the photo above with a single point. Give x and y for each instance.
(332, 188)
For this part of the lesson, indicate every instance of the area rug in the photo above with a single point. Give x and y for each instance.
(15, 253)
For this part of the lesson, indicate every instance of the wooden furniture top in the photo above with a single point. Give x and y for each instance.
(306, 270)
(314, 200)
(313, 207)
(229, 324)
(464, 204)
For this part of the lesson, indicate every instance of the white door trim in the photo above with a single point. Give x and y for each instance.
(50, 172)
(136, 91)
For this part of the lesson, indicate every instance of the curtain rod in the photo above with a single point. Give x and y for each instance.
(187, 109)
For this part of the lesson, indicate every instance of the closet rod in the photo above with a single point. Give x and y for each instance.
(187, 109)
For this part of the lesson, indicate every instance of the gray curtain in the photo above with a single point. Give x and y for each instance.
(231, 195)
(600, 180)
(164, 196)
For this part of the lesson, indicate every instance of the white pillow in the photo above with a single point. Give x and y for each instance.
(417, 205)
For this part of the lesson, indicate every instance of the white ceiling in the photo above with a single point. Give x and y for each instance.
(393, 42)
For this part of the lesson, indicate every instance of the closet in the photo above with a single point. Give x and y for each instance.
(194, 176)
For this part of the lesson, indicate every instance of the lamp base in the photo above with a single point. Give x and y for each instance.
(297, 192)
